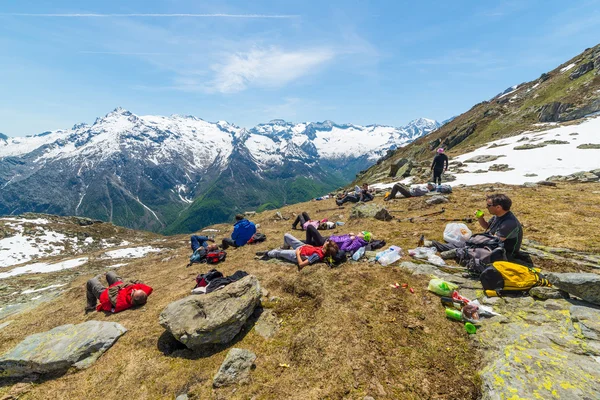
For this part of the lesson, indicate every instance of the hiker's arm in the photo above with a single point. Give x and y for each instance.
(301, 263)
(484, 224)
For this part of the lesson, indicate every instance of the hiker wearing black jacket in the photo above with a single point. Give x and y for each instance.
(439, 166)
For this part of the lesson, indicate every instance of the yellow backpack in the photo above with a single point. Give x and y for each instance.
(505, 276)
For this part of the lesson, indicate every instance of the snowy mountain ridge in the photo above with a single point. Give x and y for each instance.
(145, 171)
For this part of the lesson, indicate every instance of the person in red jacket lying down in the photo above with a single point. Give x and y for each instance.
(118, 296)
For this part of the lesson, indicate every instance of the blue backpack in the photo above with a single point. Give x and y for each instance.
(199, 255)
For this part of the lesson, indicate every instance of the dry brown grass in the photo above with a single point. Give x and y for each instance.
(345, 333)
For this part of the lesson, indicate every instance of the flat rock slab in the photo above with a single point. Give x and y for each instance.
(213, 318)
(365, 210)
(583, 285)
(588, 319)
(235, 369)
(61, 348)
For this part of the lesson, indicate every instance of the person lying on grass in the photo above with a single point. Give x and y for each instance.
(304, 220)
(295, 251)
(348, 243)
(118, 296)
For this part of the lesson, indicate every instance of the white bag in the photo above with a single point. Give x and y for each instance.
(457, 233)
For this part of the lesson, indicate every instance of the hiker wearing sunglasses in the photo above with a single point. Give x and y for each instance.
(503, 224)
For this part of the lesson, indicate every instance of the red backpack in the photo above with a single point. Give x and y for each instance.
(215, 257)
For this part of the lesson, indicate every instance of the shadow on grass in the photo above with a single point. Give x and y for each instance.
(171, 347)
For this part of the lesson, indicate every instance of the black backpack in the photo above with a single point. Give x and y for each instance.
(257, 238)
(480, 251)
(338, 259)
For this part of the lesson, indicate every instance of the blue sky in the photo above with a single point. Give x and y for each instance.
(247, 62)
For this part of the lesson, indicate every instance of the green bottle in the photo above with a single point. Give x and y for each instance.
(470, 328)
(453, 314)
(478, 214)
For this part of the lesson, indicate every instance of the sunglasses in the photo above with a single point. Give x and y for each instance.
(489, 205)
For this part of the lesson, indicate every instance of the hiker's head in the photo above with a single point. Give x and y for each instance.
(365, 185)
(366, 235)
(430, 186)
(440, 150)
(239, 217)
(498, 203)
(322, 224)
(212, 247)
(330, 248)
(138, 297)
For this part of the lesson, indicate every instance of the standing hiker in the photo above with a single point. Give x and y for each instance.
(242, 232)
(118, 296)
(439, 165)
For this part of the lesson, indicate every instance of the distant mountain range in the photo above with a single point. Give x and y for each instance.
(179, 173)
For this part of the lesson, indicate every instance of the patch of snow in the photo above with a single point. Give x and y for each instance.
(513, 89)
(117, 265)
(536, 160)
(88, 240)
(36, 297)
(37, 221)
(568, 67)
(43, 268)
(21, 248)
(28, 291)
(132, 252)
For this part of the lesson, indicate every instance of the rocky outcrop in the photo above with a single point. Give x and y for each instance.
(589, 146)
(582, 70)
(401, 168)
(61, 348)
(437, 199)
(365, 210)
(235, 369)
(583, 285)
(582, 177)
(551, 112)
(500, 168)
(212, 318)
(545, 293)
(529, 146)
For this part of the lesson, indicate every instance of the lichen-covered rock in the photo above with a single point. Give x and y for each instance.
(61, 348)
(583, 285)
(235, 369)
(545, 293)
(582, 70)
(365, 210)
(437, 199)
(214, 317)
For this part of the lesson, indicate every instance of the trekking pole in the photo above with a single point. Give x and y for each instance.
(433, 213)
(331, 209)
(468, 220)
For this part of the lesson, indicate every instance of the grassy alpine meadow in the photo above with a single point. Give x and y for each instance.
(344, 332)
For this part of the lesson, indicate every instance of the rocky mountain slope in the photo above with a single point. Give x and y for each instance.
(562, 96)
(321, 332)
(173, 173)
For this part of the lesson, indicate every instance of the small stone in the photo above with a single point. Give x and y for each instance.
(545, 293)
(368, 398)
(182, 397)
(274, 299)
(267, 324)
(264, 292)
(235, 369)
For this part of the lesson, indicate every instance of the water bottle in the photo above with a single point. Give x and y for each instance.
(453, 314)
(359, 253)
(340, 223)
(478, 214)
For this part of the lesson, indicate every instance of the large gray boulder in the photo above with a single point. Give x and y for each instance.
(235, 369)
(583, 285)
(61, 348)
(214, 317)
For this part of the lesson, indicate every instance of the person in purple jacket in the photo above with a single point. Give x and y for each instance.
(348, 243)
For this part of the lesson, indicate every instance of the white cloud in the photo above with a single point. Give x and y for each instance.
(272, 67)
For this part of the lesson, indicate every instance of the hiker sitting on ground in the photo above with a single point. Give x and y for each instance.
(198, 241)
(348, 243)
(118, 296)
(242, 232)
(439, 166)
(503, 224)
(413, 191)
(366, 194)
(304, 220)
(302, 254)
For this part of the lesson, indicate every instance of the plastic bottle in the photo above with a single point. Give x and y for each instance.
(358, 253)
(478, 214)
(393, 254)
(453, 314)
(340, 223)
(441, 287)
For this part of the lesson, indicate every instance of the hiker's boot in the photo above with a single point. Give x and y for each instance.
(261, 253)
(265, 257)
(448, 255)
